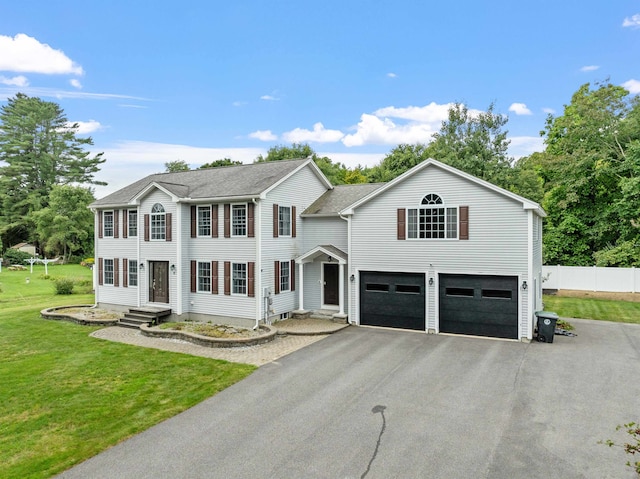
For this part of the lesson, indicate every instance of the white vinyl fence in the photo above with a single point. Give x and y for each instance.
(591, 278)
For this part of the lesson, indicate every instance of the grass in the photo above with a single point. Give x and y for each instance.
(587, 308)
(66, 396)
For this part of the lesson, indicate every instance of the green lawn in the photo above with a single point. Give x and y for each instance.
(602, 309)
(65, 396)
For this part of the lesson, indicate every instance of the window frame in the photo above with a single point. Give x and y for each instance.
(203, 281)
(108, 271)
(237, 282)
(158, 223)
(243, 225)
(132, 273)
(285, 287)
(132, 226)
(432, 207)
(282, 224)
(105, 215)
(203, 230)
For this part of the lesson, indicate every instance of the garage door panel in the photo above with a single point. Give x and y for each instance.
(479, 305)
(395, 300)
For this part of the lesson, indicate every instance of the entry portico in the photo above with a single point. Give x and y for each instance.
(332, 284)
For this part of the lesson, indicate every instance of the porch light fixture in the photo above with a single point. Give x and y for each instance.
(173, 268)
(352, 278)
(524, 285)
(330, 259)
(141, 265)
(430, 281)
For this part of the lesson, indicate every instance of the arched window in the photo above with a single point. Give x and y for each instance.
(158, 222)
(432, 220)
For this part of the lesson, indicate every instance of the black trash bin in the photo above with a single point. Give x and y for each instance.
(546, 325)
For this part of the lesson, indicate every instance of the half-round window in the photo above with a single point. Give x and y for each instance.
(432, 199)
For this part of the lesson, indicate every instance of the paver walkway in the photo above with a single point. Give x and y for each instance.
(300, 333)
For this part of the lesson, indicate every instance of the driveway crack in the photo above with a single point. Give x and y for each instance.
(376, 409)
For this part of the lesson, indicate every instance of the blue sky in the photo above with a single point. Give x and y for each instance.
(158, 81)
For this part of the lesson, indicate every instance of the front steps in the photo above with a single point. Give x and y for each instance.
(143, 315)
(327, 314)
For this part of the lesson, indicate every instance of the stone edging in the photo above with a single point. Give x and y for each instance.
(50, 313)
(155, 332)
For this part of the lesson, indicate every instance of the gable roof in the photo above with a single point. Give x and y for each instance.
(225, 182)
(526, 204)
(340, 197)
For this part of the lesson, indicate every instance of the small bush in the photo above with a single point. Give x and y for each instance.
(64, 286)
(14, 256)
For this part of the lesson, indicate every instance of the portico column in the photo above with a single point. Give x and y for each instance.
(301, 286)
(341, 283)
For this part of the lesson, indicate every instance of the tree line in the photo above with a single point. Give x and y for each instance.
(587, 178)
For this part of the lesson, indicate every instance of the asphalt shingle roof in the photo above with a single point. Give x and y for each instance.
(221, 182)
(340, 197)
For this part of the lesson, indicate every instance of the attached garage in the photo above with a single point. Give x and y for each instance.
(392, 300)
(479, 305)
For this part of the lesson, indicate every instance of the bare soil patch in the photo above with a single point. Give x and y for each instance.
(212, 330)
(89, 313)
(570, 293)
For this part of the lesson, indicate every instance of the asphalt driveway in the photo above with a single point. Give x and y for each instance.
(379, 404)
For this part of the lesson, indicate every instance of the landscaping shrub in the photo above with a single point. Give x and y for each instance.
(64, 286)
(14, 256)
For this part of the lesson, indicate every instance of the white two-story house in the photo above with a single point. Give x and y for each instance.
(434, 250)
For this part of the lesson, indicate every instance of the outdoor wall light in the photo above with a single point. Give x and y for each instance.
(173, 268)
(430, 281)
(352, 278)
(330, 259)
(141, 265)
(524, 285)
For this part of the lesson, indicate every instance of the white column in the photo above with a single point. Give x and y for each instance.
(301, 286)
(341, 293)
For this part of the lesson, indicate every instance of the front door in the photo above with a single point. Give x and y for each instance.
(330, 275)
(159, 281)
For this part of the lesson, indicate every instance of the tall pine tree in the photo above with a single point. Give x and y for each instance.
(38, 149)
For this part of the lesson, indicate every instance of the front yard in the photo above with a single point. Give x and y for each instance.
(66, 396)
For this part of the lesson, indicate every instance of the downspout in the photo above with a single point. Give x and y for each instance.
(178, 274)
(530, 291)
(349, 273)
(257, 271)
(95, 258)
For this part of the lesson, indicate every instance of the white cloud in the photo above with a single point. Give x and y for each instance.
(382, 131)
(549, 111)
(431, 113)
(129, 161)
(632, 21)
(75, 83)
(520, 109)
(129, 105)
(86, 127)
(263, 135)
(269, 98)
(23, 53)
(589, 68)
(239, 103)
(352, 160)
(391, 75)
(59, 94)
(632, 85)
(525, 145)
(318, 135)
(19, 81)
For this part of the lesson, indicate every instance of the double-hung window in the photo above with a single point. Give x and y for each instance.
(108, 272)
(158, 222)
(239, 220)
(204, 276)
(239, 278)
(204, 220)
(432, 220)
(107, 224)
(284, 221)
(285, 276)
(133, 272)
(132, 222)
